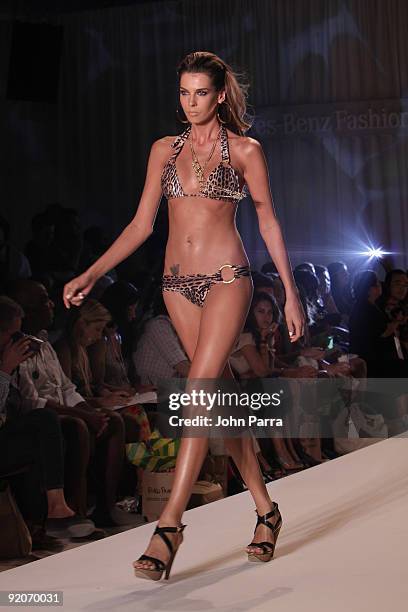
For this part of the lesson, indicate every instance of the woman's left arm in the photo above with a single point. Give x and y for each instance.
(257, 178)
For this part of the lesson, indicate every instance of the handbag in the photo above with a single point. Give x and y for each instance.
(15, 538)
(156, 454)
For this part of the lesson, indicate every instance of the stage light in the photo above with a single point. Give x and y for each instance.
(374, 252)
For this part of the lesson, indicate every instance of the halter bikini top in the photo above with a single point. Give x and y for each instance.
(221, 184)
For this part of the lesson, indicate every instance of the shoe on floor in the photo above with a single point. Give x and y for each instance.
(71, 526)
(115, 518)
(96, 534)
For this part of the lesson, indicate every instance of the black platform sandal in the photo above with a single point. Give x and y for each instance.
(156, 572)
(268, 548)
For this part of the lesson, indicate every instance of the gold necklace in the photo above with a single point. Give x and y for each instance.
(198, 169)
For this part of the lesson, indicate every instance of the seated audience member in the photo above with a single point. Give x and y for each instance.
(269, 268)
(306, 266)
(253, 357)
(84, 327)
(374, 335)
(100, 287)
(341, 288)
(31, 439)
(394, 292)
(325, 293)
(43, 381)
(285, 351)
(89, 432)
(321, 323)
(355, 366)
(158, 353)
(121, 300)
(279, 291)
(13, 263)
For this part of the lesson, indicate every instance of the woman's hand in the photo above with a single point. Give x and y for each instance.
(77, 289)
(268, 332)
(295, 318)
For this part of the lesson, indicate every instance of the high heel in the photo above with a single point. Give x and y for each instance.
(268, 548)
(160, 567)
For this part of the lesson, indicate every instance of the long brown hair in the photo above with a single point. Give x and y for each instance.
(223, 77)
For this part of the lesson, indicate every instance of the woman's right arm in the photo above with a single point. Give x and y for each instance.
(134, 234)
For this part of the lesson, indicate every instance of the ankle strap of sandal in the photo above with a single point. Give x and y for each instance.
(178, 529)
(161, 531)
(264, 518)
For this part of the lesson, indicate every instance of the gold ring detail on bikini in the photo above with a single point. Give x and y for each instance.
(227, 282)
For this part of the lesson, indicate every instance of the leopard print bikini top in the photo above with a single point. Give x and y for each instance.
(221, 184)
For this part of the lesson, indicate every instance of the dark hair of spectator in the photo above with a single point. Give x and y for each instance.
(9, 310)
(117, 298)
(261, 280)
(362, 283)
(251, 323)
(269, 268)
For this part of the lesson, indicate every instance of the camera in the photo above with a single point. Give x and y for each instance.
(35, 343)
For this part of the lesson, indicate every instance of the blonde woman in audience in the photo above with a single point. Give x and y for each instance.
(84, 327)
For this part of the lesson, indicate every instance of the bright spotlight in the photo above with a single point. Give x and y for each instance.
(374, 252)
(378, 253)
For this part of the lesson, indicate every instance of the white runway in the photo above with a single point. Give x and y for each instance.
(343, 546)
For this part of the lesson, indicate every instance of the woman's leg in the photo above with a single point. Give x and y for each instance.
(36, 438)
(244, 456)
(76, 436)
(107, 465)
(208, 337)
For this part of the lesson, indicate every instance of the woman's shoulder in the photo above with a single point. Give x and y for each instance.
(243, 145)
(162, 145)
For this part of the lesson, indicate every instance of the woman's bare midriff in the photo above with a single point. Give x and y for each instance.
(202, 236)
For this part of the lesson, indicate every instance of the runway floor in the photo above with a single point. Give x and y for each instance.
(343, 546)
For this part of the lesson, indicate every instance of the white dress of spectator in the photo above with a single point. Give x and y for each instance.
(237, 360)
(158, 351)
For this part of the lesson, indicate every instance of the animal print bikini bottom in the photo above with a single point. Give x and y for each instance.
(195, 287)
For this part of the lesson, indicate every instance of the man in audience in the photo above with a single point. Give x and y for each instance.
(158, 354)
(340, 280)
(31, 442)
(87, 431)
